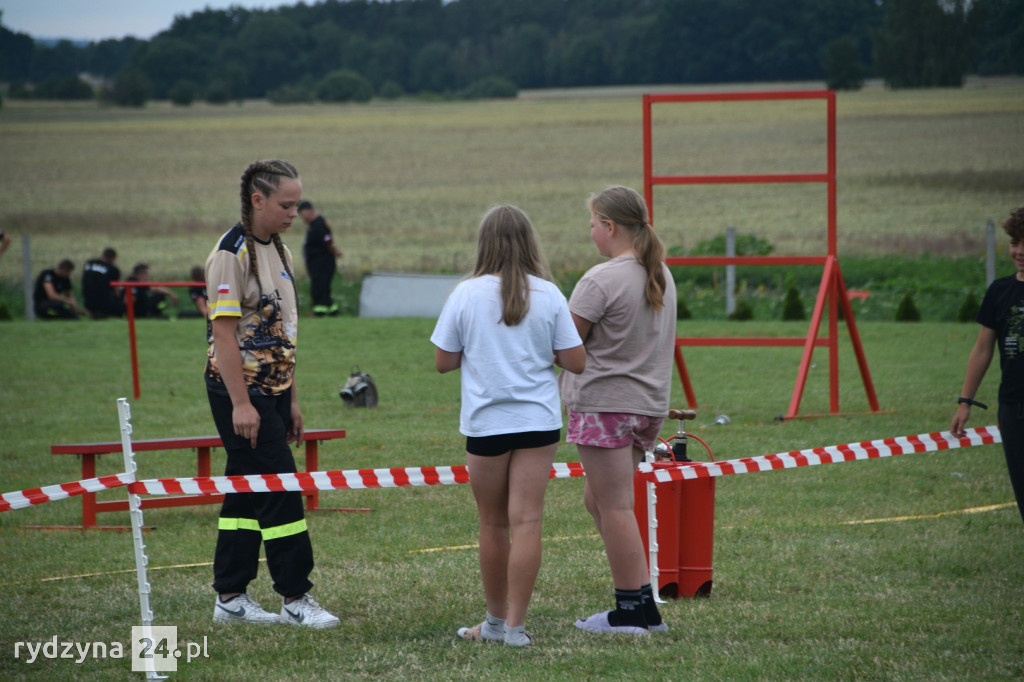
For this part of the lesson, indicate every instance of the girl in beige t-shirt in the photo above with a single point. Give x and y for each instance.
(624, 310)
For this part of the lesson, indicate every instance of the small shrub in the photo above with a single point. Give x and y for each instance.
(968, 309)
(70, 88)
(183, 93)
(491, 87)
(793, 307)
(290, 94)
(906, 311)
(344, 85)
(682, 312)
(743, 311)
(746, 245)
(131, 89)
(218, 92)
(391, 90)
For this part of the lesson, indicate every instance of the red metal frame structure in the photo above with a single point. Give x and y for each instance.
(832, 290)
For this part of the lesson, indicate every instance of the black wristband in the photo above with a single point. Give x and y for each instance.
(971, 401)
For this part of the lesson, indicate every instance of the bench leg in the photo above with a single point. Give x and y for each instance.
(88, 499)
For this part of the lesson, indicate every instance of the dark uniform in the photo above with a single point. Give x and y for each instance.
(101, 299)
(47, 309)
(320, 265)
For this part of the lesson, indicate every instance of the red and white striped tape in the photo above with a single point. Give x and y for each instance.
(889, 447)
(323, 480)
(452, 475)
(51, 493)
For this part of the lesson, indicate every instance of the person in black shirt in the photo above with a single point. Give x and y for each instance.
(149, 301)
(1002, 320)
(319, 252)
(101, 299)
(53, 298)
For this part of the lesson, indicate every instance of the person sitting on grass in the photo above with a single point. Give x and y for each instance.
(53, 298)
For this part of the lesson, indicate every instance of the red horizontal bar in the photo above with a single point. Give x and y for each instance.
(739, 179)
(739, 96)
(746, 341)
(173, 443)
(746, 260)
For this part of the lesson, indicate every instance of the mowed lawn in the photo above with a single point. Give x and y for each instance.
(899, 568)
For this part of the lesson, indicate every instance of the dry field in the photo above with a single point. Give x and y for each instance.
(404, 183)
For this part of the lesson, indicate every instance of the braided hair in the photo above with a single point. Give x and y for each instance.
(264, 177)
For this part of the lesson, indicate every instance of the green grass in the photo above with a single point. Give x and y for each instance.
(799, 593)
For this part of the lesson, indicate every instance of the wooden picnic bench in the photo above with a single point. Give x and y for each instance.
(202, 445)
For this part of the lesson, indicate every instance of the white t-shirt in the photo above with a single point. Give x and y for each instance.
(509, 383)
(630, 346)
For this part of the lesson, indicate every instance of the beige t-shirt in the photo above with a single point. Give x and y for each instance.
(630, 346)
(267, 330)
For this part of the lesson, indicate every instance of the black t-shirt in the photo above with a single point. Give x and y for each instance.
(60, 284)
(1002, 310)
(318, 240)
(96, 279)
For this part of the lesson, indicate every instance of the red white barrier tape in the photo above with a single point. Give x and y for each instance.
(322, 480)
(889, 447)
(51, 493)
(451, 475)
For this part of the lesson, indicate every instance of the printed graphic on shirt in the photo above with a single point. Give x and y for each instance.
(1014, 330)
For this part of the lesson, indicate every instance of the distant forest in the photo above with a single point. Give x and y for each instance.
(355, 49)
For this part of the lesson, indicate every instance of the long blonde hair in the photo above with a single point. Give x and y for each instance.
(628, 210)
(507, 246)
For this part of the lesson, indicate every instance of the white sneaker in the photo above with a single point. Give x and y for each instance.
(242, 609)
(305, 611)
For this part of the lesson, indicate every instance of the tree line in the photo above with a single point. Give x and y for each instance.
(355, 49)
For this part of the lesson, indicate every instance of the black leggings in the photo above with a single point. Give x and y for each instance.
(1011, 428)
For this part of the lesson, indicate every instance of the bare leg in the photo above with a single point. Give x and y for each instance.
(608, 496)
(488, 477)
(529, 472)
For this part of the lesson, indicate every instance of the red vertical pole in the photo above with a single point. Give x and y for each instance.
(312, 462)
(648, 161)
(833, 298)
(129, 303)
(832, 170)
(88, 499)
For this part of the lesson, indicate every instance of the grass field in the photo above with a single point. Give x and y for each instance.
(404, 184)
(805, 588)
(898, 569)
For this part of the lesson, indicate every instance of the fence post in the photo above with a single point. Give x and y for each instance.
(990, 252)
(730, 271)
(29, 288)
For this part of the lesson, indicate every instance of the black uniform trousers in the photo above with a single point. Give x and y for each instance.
(276, 519)
(1011, 429)
(321, 271)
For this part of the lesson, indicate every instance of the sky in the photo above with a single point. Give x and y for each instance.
(99, 19)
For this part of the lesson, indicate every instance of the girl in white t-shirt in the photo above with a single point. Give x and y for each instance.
(625, 312)
(506, 327)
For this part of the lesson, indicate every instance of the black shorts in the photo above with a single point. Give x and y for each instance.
(492, 446)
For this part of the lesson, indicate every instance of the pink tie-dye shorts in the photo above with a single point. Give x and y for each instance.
(613, 429)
